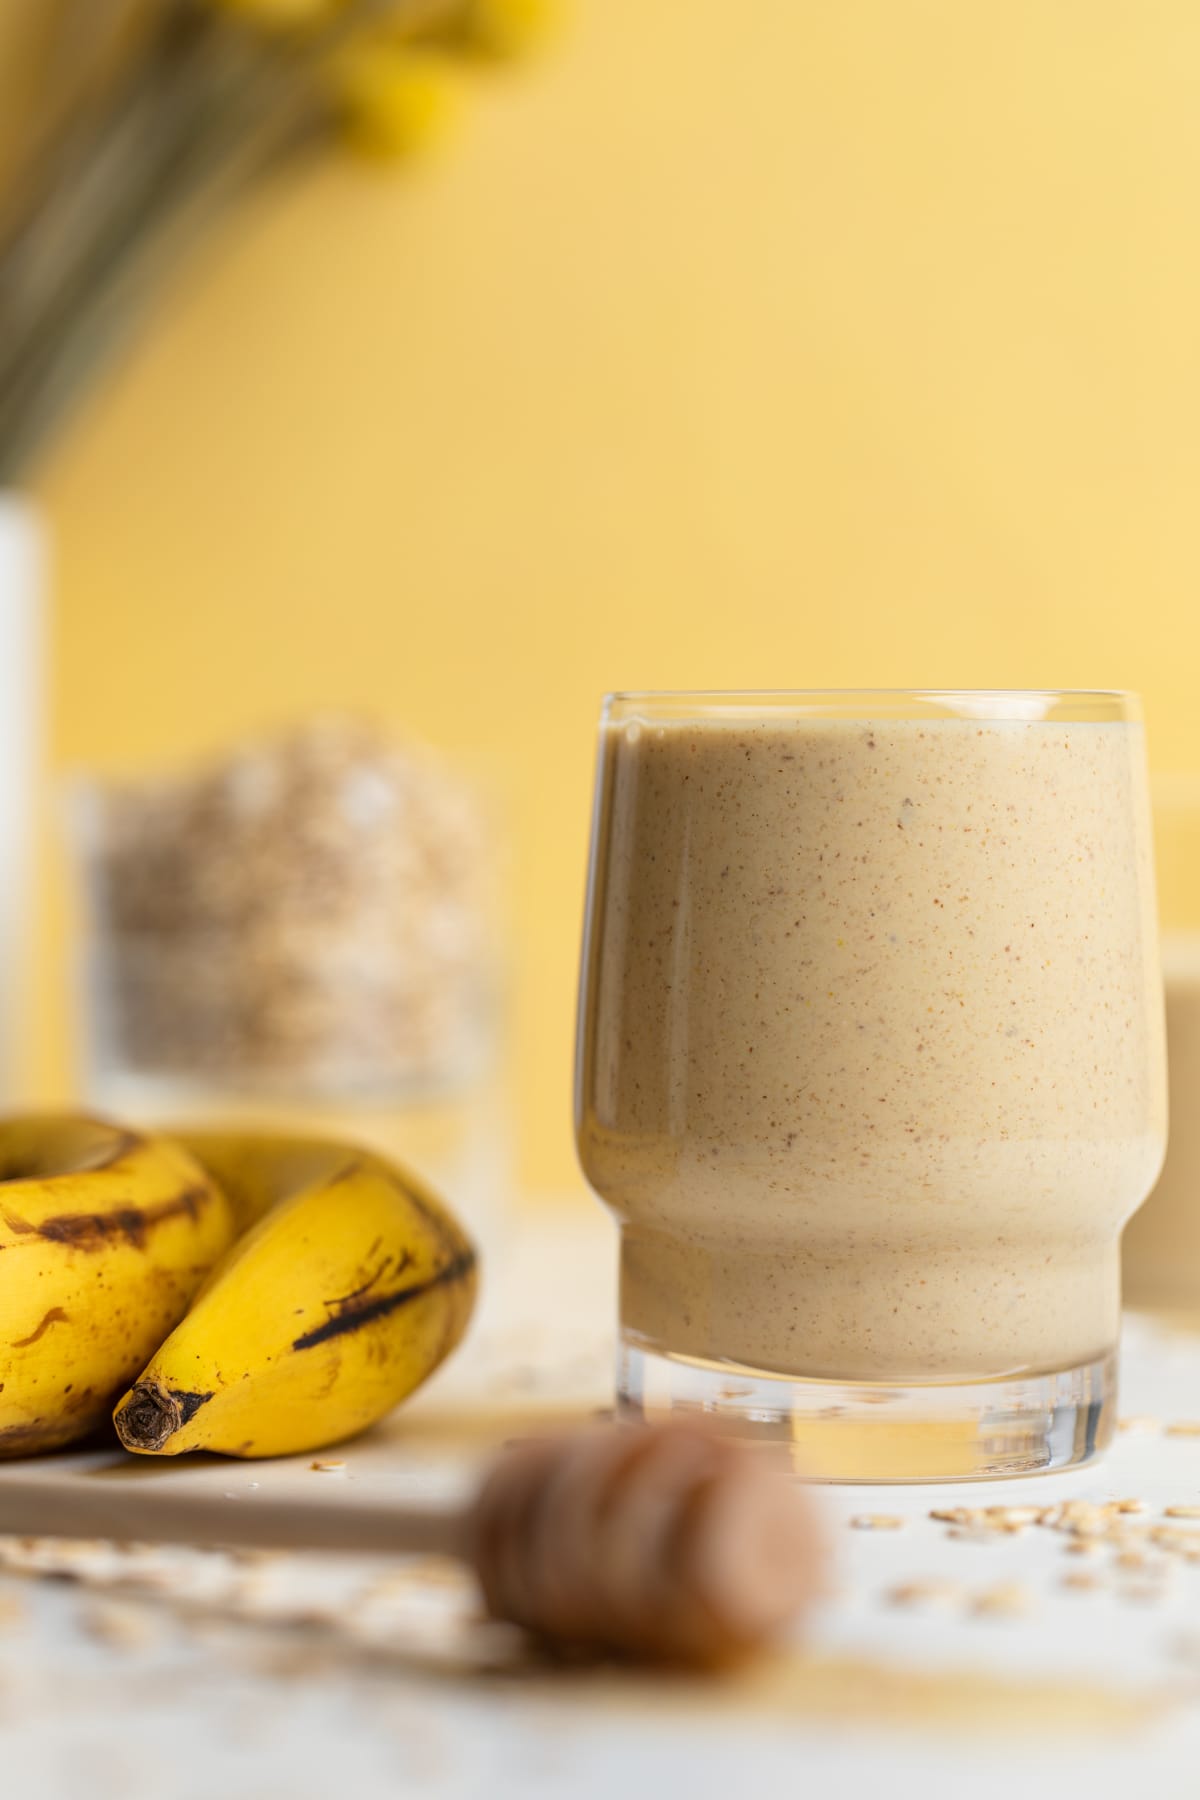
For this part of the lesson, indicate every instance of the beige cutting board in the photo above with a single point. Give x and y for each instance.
(540, 1356)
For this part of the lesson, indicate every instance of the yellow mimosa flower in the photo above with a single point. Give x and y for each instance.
(507, 27)
(395, 99)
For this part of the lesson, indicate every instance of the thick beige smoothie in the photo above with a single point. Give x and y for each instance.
(871, 1068)
(1161, 1248)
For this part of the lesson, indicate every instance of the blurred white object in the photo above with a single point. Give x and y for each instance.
(22, 581)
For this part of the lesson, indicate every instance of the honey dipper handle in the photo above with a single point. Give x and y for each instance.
(131, 1506)
(665, 1544)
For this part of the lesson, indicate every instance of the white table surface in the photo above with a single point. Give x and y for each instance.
(163, 1675)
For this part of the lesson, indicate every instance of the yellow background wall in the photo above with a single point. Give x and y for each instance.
(794, 343)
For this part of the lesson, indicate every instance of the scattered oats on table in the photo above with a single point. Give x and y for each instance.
(1014, 1515)
(1007, 1600)
(120, 1625)
(1141, 1593)
(1175, 1537)
(876, 1522)
(922, 1593)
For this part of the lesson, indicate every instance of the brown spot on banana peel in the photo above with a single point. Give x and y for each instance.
(152, 1415)
(405, 1261)
(96, 1231)
(56, 1316)
(355, 1311)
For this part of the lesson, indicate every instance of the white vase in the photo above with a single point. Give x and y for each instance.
(22, 588)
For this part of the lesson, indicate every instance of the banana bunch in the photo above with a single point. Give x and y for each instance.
(263, 1295)
(105, 1236)
(349, 1285)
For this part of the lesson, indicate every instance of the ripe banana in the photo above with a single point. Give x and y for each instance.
(105, 1235)
(348, 1287)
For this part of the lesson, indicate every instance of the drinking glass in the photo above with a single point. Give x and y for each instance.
(871, 1066)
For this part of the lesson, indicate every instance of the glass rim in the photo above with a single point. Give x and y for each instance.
(1028, 705)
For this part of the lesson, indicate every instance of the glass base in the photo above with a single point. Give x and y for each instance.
(889, 1431)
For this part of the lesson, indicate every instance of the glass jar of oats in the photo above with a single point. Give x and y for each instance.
(302, 933)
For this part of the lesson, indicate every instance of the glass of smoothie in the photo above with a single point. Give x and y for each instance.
(871, 1066)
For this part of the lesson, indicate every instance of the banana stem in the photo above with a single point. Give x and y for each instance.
(153, 1414)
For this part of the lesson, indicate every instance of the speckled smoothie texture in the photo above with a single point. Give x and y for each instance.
(872, 1065)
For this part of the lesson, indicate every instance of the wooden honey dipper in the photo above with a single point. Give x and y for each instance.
(664, 1543)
